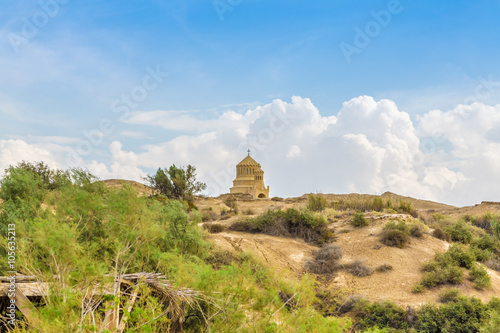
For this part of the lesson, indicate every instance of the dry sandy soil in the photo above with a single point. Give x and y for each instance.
(289, 255)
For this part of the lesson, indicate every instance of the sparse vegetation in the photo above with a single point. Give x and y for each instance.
(90, 229)
(362, 205)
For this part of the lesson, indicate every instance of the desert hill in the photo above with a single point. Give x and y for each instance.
(289, 255)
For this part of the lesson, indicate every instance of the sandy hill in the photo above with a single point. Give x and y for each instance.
(288, 255)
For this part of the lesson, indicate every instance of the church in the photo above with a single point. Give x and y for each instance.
(250, 179)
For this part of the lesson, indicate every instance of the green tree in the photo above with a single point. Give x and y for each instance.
(176, 183)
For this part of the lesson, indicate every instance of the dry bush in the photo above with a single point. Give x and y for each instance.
(248, 211)
(493, 264)
(358, 268)
(349, 304)
(395, 237)
(384, 268)
(208, 215)
(214, 228)
(277, 199)
(325, 260)
(441, 234)
(416, 231)
(316, 203)
(244, 225)
(290, 223)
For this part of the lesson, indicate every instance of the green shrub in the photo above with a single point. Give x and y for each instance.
(401, 226)
(381, 314)
(316, 203)
(449, 295)
(479, 275)
(495, 227)
(176, 183)
(441, 234)
(396, 238)
(482, 255)
(359, 220)
(463, 315)
(378, 204)
(405, 206)
(277, 199)
(289, 223)
(418, 288)
(462, 256)
(459, 232)
(442, 275)
(492, 324)
(442, 269)
(487, 242)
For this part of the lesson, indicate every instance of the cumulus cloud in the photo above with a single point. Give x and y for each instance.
(465, 139)
(367, 147)
(14, 151)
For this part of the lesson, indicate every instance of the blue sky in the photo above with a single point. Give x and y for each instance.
(61, 79)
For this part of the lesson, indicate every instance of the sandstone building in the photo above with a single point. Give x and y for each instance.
(250, 179)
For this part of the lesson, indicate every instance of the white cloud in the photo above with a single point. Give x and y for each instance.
(369, 147)
(14, 151)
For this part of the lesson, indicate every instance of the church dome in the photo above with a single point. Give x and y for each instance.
(248, 162)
